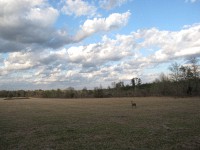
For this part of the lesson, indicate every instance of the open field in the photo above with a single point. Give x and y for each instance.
(100, 124)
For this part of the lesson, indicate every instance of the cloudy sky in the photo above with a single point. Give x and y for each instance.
(50, 44)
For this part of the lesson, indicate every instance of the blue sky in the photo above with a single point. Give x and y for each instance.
(49, 44)
(165, 15)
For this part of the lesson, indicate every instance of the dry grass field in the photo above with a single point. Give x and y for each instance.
(100, 124)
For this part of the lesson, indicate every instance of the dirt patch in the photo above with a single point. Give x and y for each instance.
(15, 98)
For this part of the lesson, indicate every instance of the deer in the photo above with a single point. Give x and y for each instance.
(133, 104)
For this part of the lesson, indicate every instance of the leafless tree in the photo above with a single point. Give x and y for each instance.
(175, 71)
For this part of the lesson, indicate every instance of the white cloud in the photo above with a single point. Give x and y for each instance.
(192, 1)
(79, 8)
(96, 25)
(41, 16)
(73, 65)
(18, 61)
(13, 6)
(109, 4)
(29, 25)
(23, 12)
(170, 45)
(109, 50)
(120, 58)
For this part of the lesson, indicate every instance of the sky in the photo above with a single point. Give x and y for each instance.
(50, 44)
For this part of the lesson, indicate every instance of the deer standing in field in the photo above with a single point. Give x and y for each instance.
(133, 104)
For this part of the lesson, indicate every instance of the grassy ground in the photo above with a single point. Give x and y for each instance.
(100, 124)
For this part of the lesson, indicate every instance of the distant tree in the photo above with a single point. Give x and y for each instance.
(3, 93)
(189, 74)
(108, 87)
(175, 71)
(10, 94)
(136, 81)
(183, 72)
(163, 78)
(195, 73)
(21, 93)
(175, 76)
(139, 82)
(161, 85)
(120, 85)
(84, 92)
(113, 84)
(59, 93)
(98, 92)
(71, 88)
(194, 67)
(84, 89)
(133, 82)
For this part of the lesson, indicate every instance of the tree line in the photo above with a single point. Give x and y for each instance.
(183, 80)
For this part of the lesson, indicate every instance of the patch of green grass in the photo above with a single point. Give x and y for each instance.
(99, 124)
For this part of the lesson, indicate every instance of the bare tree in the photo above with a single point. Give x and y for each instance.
(163, 78)
(175, 75)
(139, 82)
(175, 71)
(183, 72)
(194, 67)
(195, 72)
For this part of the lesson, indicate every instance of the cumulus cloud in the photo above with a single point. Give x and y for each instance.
(18, 61)
(78, 8)
(112, 59)
(170, 44)
(96, 25)
(72, 65)
(109, 4)
(108, 50)
(29, 24)
(21, 13)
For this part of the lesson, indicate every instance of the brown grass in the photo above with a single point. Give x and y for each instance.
(156, 123)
